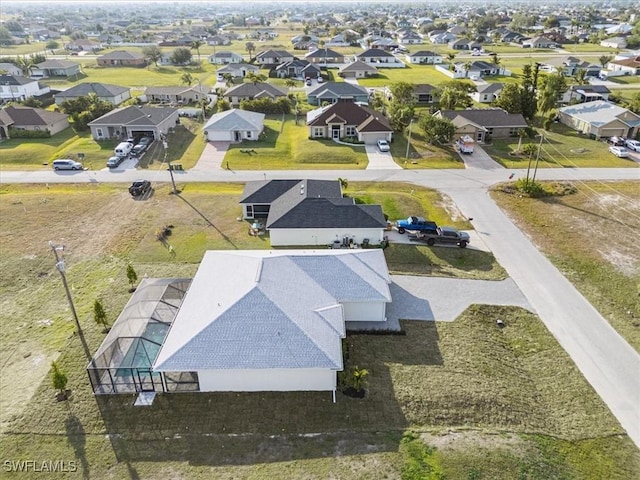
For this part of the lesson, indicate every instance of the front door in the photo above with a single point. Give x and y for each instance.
(335, 132)
(237, 136)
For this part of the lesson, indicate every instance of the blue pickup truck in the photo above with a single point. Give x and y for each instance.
(416, 224)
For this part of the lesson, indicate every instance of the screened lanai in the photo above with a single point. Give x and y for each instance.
(123, 362)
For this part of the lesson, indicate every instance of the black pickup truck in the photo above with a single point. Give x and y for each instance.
(443, 236)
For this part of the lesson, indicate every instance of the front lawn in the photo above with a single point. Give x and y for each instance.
(422, 154)
(411, 73)
(286, 146)
(562, 147)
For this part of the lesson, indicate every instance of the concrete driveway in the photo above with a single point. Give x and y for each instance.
(380, 160)
(479, 159)
(212, 157)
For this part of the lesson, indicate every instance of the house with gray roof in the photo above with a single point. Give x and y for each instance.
(234, 126)
(251, 91)
(487, 92)
(334, 92)
(325, 57)
(122, 58)
(237, 70)
(135, 121)
(56, 68)
(223, 58)
(114, 94)
(273, 320)
(176, 95)
(600, 119)
(273, 57)
(28, 118)
(482, 124)
(300, 69)
(311, 212)
(10, 69)
(357, 69)
(424, 57)
(346, 119)
(380, 58)
(19, 88)
(585, 93)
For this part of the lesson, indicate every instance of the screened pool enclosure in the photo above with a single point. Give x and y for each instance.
(123, 363)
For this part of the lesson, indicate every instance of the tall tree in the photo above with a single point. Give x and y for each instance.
(99, 315)
(581, 77)
(510, 98)
(132, 276)
(436, 130)
(250, 47)
(402, 92)
(152, 53)
(59, 380)
(455, 94)
(604, 59)
(25, 64)
(195, 45)
(181, 56)
(186, 78)
(529, 88)
(553, 86)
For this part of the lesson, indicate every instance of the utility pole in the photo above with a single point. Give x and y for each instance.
(409, 139)
(173, 182)
(535, 168)
(56, 249)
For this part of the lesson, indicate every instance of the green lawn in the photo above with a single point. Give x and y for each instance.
(562, 147)
(421, 154)
(588, 48)
(625, 80)
(410, 74)
(286, 146)
(24, 49)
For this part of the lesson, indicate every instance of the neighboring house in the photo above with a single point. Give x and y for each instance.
(484, 123)
(627, 66)
(251, 91)
(480, 68)
(333, 92)
(305, 38)
(133, 121)
(297, 69)
(512, 37)
(224, 58)
(380, 58)
(585, 93)
(234, 126)
(19, 88)
(10, 69)
(384, 43)
(487, 92)
(56, 68)
(114, 94)
(600, 119)
(539, 42)
(176, 95)
(570, 65)
(324, 56)
(343, 119)
(218, 40)
(122, 58)
(274, 57)
(410, 38)
(357, 69)
(423, 94)
(83, 45)
(27, 118)
(442, 38)
(615, 42)
(238, 70)
(311, 212)
(424, 57)
(465, 44)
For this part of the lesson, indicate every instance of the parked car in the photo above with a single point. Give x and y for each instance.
(632, 145)
(617, 141)
(308, 82)
(383, 146)
(113, 162)
(320, 79)
(123, 149)
(146, 141)
(140, 188)
(418, 224)
(443, 235)
(138, 150)
(66, 164)
(619, 151)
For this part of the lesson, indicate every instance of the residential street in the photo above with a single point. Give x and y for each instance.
(610, 365)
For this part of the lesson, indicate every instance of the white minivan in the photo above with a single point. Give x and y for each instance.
(123, 149)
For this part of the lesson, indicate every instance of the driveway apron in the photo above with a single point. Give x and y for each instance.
(212, 156)
(380, 160)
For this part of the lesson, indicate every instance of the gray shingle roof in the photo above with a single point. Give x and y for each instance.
(121, 55)
(338, 89)
(56, 64)
(374, 53)
(99, 89)
(15, 80)
(27, 116)
(271, 309)
(488, 117)
(142, 116)
(322, 53)
(254, 90)
(235, 119)
(266, 191)
(490, 87)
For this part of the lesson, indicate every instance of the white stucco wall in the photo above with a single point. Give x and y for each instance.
(364, 311)
(299, 236)
(267, 380)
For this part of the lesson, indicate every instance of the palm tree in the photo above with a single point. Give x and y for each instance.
(186, 78)
(228, 78)
(495, 59)
(581, 76)
(290, 83)
(195, 45)
(250, 47)
(25, 64)
(604, 59)
(467, 67)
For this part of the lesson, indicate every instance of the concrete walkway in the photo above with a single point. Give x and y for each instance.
(480, 159)
(380, 160)
(212, 157)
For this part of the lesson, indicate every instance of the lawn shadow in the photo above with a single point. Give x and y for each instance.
(77, 438)
(195, 209)
(465, 259)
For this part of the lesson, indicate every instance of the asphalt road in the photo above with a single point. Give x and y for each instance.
(610, 365)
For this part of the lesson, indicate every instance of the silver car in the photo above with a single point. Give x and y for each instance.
(66, 164)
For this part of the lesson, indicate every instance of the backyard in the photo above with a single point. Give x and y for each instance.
(464, 398)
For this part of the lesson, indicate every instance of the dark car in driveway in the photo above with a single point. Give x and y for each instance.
(138, 150)
(140, 188)
(443, 236)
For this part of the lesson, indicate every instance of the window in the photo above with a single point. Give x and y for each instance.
(350, 131)
(248, 134)
(513, 132)
(249, 211)
(318, 131)
(489, 131)
(99, 133)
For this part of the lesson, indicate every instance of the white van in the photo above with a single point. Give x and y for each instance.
(123, 149)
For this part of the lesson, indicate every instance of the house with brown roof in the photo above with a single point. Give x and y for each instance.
(483, 124)
(325, 56)
(345, 119)
(122, 58)
(28, 118)
(626, 66)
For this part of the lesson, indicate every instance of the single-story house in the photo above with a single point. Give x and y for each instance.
(223, 58)
(423, 93)
(273, 57)
(122, 58)
(234, 126)
(273, 320)
(600, 119)
(28, 118)
(487, 92)
(410, 38)
(464, 44)
(83, 45)
(357, 69)
(539, 42)
(424, 57)
(296, 69)
(441, 38)
(19, 88)
(585, 93)
(615, 42)
(346, 119)
(176, 94)
(217, 40)
(56, 68)
(103, 91)
(380, 58)
(251, 91)
(238, 70)
(10, 69)
(484, 123)
(311, 212)
(324, 56)
(132, 121)
(570, 65)
(334, 92)
(630, 66)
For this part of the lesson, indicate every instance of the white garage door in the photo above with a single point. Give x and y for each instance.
(218, 135)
